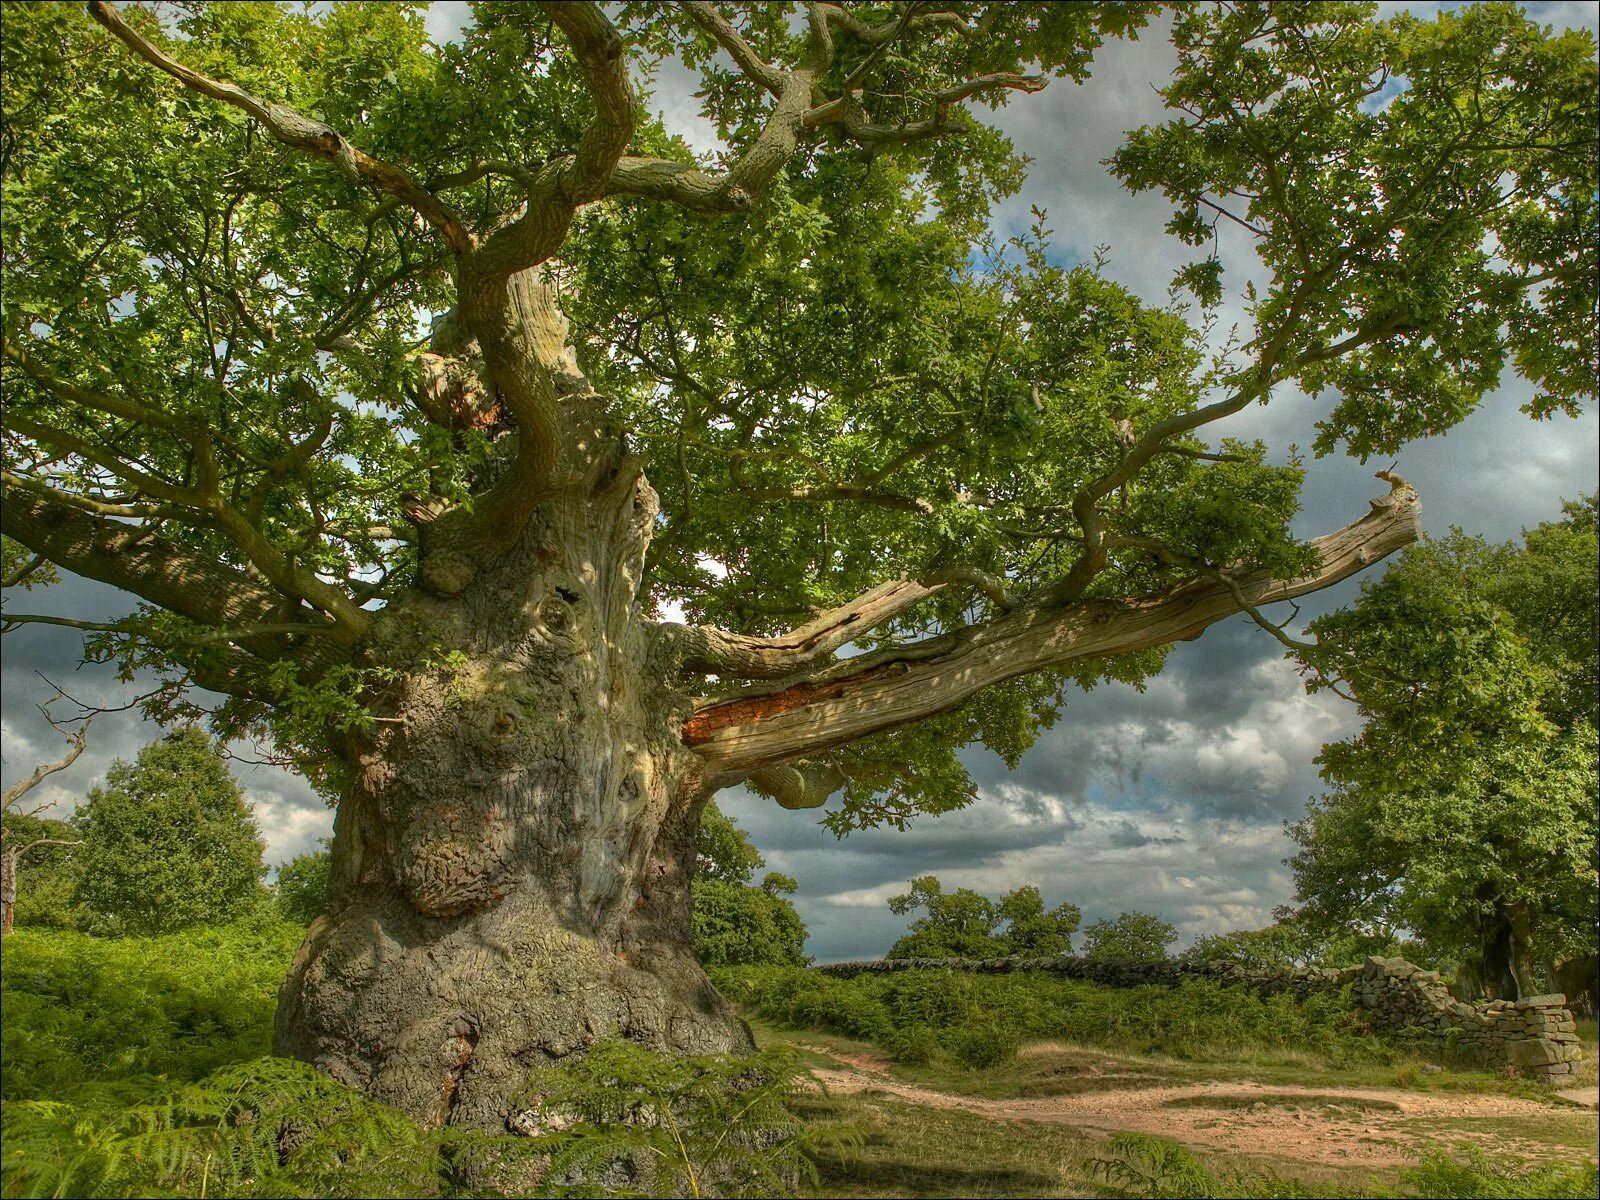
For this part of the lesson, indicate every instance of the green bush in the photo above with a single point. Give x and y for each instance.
(1198, 1019)
(138, 1067)
(80, 1009)
(983, 1046)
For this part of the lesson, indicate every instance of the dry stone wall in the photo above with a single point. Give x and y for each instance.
(1535, 1035)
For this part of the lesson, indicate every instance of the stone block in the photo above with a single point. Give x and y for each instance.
(1533, 1054)
(1554, 1000)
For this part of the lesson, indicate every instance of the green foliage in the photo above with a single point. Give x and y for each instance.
(136, 1067)
(963, 924)
(724, 851)
(267, 1127)
(682, 1126)
(1444, 1177)
(1290, 942)
(919, 1015)
(1464, 809)
(45, 874)
(1141, 1165)
(1150, 1166)
(737, 923)
(17, 563)
(1400, 177)
(167, 842)
(1143, 937)
(81, 1009)
(302, 885)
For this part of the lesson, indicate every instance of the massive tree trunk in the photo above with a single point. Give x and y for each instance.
(514, 846)
(515, 839)
(513, 852)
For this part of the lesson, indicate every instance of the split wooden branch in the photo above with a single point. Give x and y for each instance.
(804, 718)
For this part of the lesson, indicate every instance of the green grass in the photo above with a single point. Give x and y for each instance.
(906, 1150)
(139, 1067)
(1103, 1036)
(919, 1017)
(1291, 1101)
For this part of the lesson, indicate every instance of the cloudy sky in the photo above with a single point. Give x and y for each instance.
(1172, 801)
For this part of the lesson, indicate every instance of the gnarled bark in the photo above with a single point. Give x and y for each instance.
(513, 853)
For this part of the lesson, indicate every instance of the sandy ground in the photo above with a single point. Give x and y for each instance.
(1354, 1127)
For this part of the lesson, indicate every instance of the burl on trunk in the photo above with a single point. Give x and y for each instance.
(512, 858)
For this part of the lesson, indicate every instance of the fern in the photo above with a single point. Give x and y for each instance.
(1152, 1166)
(1478, 1175)
(268, 1127)
(653, 1125)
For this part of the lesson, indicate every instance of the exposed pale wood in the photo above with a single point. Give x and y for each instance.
(738, 737)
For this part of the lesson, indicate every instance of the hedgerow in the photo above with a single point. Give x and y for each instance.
(980, 1019)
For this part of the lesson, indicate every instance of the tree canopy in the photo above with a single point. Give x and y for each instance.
(265, 269)
(1464, 809)
(737, 922)
(1142, 937)
(302, 885)
(965, 924)
(167, 843)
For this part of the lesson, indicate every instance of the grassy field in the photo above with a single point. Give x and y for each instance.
(1248, 1132)
(137, 1067)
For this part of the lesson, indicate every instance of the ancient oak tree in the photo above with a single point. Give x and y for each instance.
(403, 383)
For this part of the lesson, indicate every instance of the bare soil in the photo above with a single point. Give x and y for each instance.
(1372, 1127)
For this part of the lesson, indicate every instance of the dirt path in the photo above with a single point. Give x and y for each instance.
(1359, 1127)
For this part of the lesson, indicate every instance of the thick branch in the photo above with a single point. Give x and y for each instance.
(708, 18)
(295, 129)
(881, 691)
(131, 558)
(566, 184)
(742, 656)
(599, 50)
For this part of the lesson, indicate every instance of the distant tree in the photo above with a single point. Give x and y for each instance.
(1136, 935)
(964, 924)
(1464, 810)
(1292, 943)
(39, 872)
(737, 923)
(168, 842)
(1033, 931)
(724, 851)
(302, 885)
(26, 838)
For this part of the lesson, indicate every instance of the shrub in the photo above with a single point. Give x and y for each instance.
(983, 1046)
(1196, 1019)
(80, 1009)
